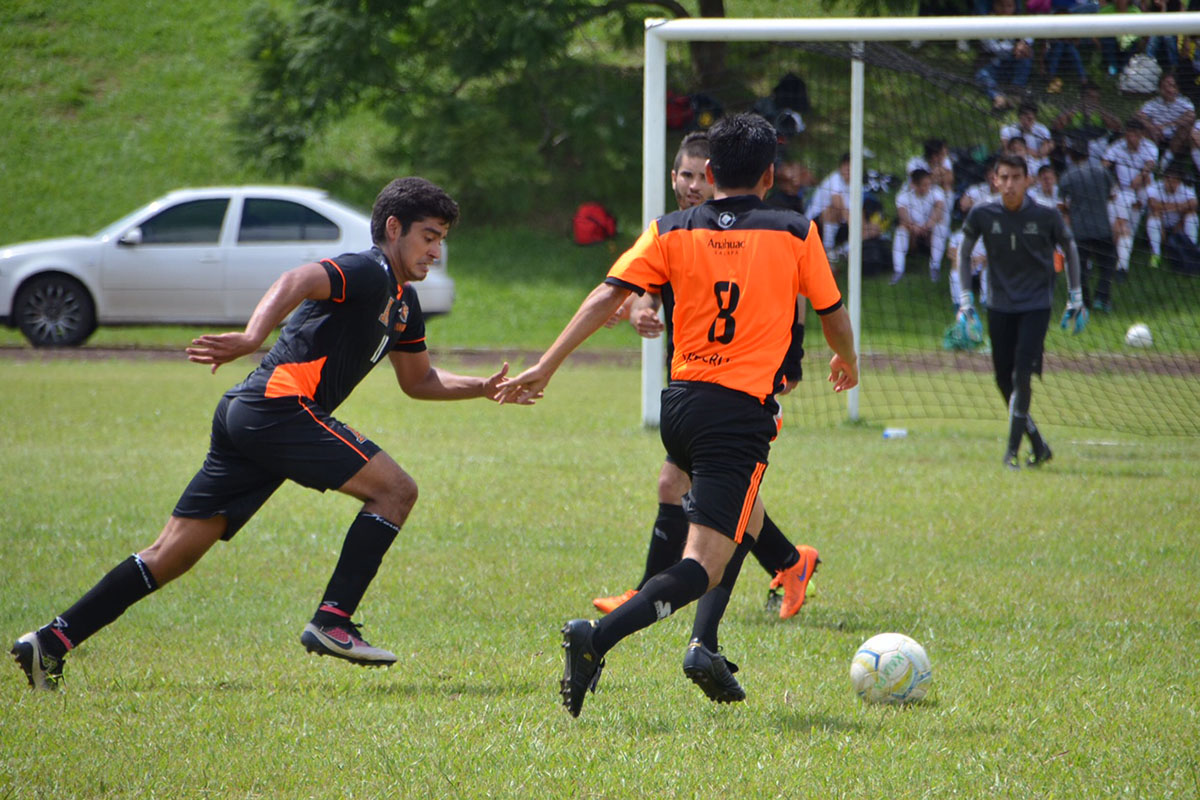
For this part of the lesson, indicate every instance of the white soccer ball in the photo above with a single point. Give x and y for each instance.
(1138, 335)
(890, 668)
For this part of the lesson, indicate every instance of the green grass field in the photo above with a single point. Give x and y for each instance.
(1059, 609)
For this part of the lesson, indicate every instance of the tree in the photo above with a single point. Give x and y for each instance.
(484, 95)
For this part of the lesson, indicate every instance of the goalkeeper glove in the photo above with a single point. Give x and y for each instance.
(1075, 317)
(970, 327)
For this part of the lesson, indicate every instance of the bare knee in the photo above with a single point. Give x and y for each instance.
(384, 488)
(394, 499)
(673, 484)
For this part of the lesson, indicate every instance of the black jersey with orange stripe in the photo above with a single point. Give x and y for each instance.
(328, 346)
(736, 266)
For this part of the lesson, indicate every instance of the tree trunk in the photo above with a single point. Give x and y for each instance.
(708, 58)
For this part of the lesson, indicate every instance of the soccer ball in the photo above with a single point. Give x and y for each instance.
(890, 668)
(1138, 335)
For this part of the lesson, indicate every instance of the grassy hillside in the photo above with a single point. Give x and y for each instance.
(104, 106)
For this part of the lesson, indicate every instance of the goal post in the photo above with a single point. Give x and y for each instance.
(853, 32)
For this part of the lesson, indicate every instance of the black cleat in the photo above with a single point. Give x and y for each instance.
(1040, 455)
(712, 673)
(581, 671)
(1011, 461)
(42, 670)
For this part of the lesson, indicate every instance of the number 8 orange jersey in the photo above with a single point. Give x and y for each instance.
(736, 266)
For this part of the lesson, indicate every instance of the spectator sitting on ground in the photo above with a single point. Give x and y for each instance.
(1044, 191)
(1016, 147)
(792, 180)
(1036, 135)
(978, 269)
(1132, 158)
(1168, 118)
(1010, 61)
(982, 192)
(935, 159)
(830, 204)
(921, 206)
(1172, 206)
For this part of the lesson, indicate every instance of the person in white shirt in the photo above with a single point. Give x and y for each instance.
(1044, 191)
(1036, 135)
(1172, 206)
(982, 192)
(831, 203)
(1169, 116)
(1132, 159)
(935, 160)
(921, 207)
(978, 268)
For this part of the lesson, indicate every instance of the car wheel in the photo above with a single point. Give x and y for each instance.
(55, 311)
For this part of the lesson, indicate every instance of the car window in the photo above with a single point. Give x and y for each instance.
(194, 222)
(265, 220)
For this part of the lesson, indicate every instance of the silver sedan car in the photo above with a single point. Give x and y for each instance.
(195, 256)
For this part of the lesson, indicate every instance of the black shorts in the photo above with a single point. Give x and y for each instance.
(257, 444)
(1018, 340)
(721, 438)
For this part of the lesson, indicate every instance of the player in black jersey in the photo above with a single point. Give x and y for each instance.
(276, 425)
(1019, 236)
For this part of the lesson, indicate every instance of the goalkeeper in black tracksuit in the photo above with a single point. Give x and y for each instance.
(1020, 237)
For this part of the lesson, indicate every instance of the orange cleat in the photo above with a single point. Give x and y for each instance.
(609, 604)
(794, 581)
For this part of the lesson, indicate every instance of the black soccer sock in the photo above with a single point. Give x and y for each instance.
(124, 585)
(367, 541)
(664, 594)
(772, 549)
(1035, 436)
(666, 540)
(712, 605)
(1016, 429)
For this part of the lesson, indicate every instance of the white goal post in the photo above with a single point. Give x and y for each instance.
(854, 30)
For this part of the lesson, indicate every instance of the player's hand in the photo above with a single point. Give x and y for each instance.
(646, 322)
(524, 388)
(842, 374)
(491, 388)
(970, 327)
(788, 386)
(1075, 317)
(220, 348)
(621, 313)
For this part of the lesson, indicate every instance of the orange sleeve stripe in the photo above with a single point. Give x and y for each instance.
(295, 379)
(334, 264)
(748, 503)
(331, 430)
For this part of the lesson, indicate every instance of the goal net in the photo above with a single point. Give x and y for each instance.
(944, 97)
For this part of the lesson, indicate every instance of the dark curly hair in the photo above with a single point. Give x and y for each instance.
(410, 200)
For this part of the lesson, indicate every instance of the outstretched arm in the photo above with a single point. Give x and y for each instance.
(306, 282)
(419, 379)
(592, 313)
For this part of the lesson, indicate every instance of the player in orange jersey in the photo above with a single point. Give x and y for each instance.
(737, 267)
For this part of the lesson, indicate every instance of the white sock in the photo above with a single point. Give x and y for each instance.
(1124, 251)
(1154, 234)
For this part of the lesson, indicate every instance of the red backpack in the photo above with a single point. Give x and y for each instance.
(593, 223)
